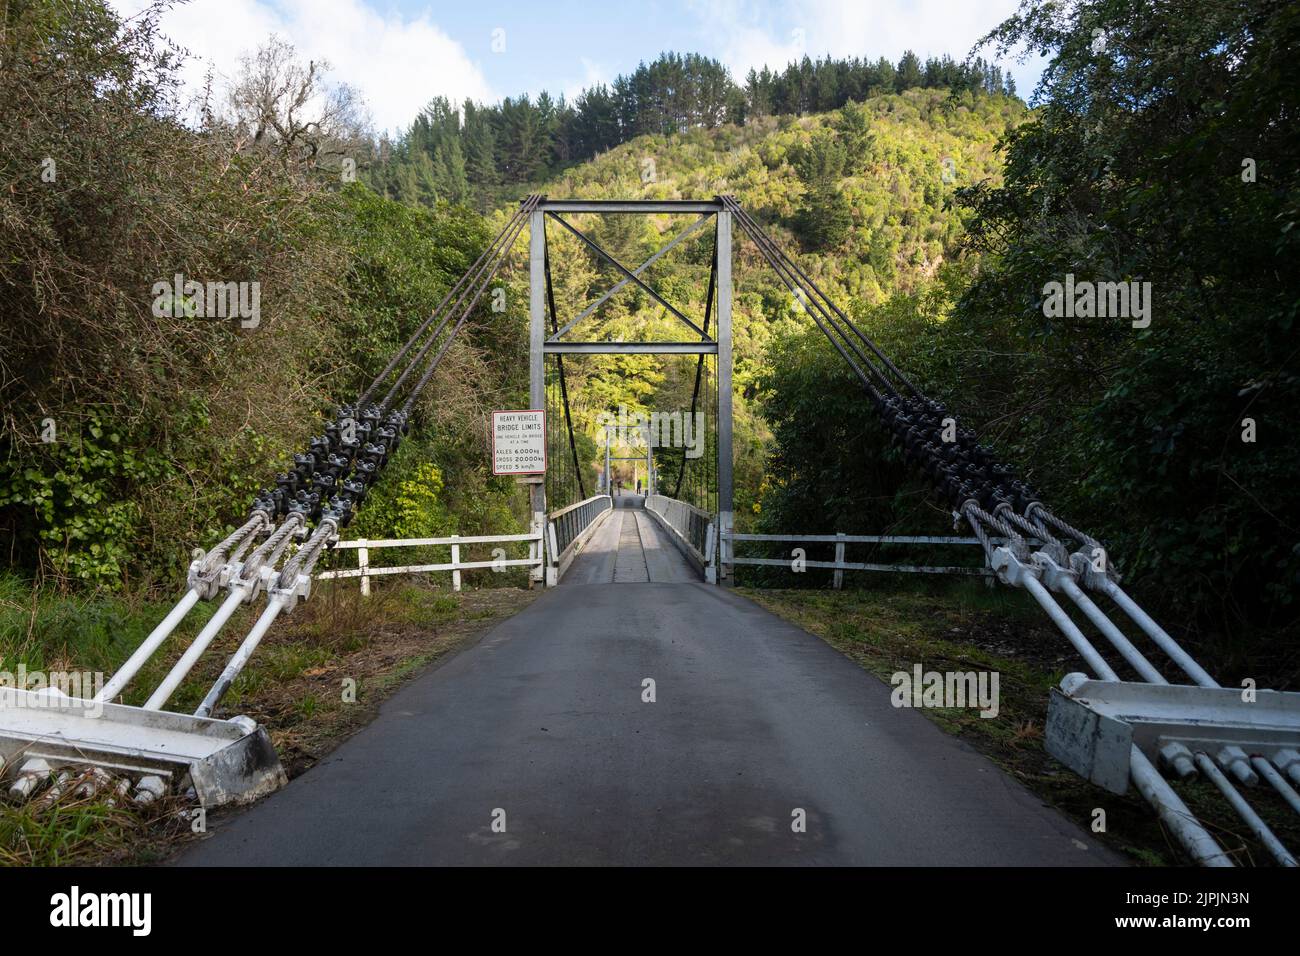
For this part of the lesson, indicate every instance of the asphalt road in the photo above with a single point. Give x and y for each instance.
(542, 727)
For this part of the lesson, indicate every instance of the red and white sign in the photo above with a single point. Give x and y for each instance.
(519, 442)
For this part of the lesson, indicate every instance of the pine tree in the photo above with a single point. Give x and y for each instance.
(909, 72)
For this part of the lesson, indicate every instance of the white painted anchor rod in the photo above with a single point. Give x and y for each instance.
(1284, 789)
(237, 663)
(1171, 809)
(117, 683)
(1159, 635)
(192, 653)
(1244, 810)
(1195, 839)
(1112, 633)
(1069, 628)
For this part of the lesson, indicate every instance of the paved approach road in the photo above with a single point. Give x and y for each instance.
(542, 724)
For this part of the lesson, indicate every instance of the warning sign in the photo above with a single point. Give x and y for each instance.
(519, 442)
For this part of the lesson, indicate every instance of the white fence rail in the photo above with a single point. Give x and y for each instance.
(841, 541)
(365, 570)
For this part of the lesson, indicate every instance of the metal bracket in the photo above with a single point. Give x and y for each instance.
(1011, 569)
(1092, 726)
(1052, 574)
(299, 590)
(48, 731)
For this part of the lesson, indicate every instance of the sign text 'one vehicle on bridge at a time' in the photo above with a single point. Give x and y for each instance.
(519, 442)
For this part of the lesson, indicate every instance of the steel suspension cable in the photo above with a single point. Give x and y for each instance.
(699, 365)
(469, 282)
(866, 381)
(465, 277)
(791, 277)
(808, 280)
(490, 273)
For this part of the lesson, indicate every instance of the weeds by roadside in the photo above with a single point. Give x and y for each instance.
(317, 678)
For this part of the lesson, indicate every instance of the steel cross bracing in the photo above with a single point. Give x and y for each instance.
(710, 337)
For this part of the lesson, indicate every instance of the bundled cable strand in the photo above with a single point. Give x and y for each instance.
(931, 438)
(294, 580)
(465, 278)
(338, 468)
(1030, 555)
(327, 482)
(513, 233)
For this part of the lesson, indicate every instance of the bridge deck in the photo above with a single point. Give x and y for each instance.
(631, 547)
(544, 719)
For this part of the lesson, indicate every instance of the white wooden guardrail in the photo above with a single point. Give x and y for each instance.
(840, 565)
(365, 570)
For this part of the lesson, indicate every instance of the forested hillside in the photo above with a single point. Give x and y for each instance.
(923, 196)
(133, 434)
(1099, 286)
(480, 153)
(862, 189)
(1165, 153)
(134, 429)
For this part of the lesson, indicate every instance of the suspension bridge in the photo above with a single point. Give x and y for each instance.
(640, 711)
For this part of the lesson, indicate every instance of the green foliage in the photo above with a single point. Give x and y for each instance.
(1135, 169)
(165, 425)
(825, 217)
(407, 505)
(85, 528)
(882, 164)
(1131, 170)
(831, 465)
(400, 262)
(498, 151)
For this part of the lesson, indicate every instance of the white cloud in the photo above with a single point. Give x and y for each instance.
(752, 37)
(397, 63)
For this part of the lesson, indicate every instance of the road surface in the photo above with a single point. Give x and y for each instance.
(544, 728)
(630, 547)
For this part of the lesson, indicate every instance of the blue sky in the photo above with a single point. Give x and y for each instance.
(400, 53)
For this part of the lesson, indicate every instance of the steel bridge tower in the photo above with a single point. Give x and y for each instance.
(699, 341)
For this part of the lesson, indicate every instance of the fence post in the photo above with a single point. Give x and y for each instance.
(455, 559)
(553, 561)
(363, 562)
(710, 555)
(839, 560)
(536, 571)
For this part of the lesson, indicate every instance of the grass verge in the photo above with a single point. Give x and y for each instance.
(318, 676)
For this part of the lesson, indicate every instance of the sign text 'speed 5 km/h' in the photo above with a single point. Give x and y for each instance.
(519, 442)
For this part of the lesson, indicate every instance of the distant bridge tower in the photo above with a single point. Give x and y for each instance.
(710, 338)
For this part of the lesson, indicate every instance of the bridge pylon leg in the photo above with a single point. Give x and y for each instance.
(725, 486)
(537, 366)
